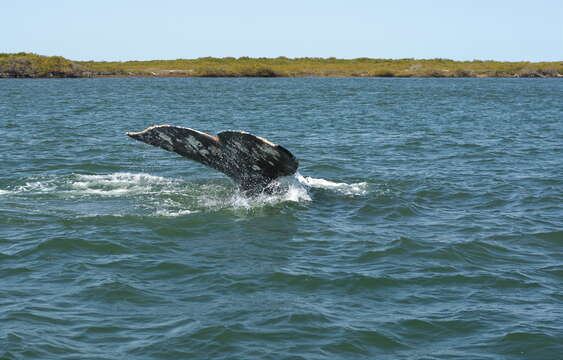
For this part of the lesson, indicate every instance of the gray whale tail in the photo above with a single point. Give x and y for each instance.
(251, 161)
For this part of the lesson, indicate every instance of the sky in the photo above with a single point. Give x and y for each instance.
(119, 30)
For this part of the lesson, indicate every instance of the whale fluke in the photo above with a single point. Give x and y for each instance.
(251, 161)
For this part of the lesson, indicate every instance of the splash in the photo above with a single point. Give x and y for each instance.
(285, 189)
(145, 194)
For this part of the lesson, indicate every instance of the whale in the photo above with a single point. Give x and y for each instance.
(252, 162)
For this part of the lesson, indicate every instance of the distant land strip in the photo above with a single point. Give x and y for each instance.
(29, 65)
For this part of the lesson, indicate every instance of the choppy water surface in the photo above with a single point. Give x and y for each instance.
(426, 221)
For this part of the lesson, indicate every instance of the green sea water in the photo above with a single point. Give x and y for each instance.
(426, 221)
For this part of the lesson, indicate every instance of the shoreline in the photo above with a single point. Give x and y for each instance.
(163, 76)
(29, 65)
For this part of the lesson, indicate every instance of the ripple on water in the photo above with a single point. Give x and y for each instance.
(414, 232)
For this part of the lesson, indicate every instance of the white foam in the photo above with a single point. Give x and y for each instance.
(118, 184)
(160, 196)
(355, 189)
(123, 178)
(171, 213)
(285, 189)
(36, 187)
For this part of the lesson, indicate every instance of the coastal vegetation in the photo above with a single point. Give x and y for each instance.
(33, 65)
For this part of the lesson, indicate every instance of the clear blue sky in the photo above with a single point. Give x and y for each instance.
(504, 30)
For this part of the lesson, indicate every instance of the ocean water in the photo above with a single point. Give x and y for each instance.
(426, 221)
